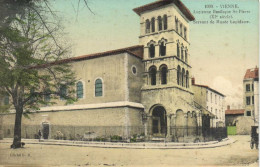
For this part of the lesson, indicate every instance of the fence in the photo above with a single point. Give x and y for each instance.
(122, 133)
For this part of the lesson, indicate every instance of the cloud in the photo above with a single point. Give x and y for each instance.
(233, 93)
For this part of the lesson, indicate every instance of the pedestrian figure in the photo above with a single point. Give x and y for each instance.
(40, 135)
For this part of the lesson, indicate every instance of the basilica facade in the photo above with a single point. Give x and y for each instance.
(143, 89)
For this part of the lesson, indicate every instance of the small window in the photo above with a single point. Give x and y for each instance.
(63, 92)
(186, 56)
(176, 24)
(159, 23)
(247, 87)
(185, 33)
(178, 75)
(253, 100)
(181, 29)
(147, 26)
(153, 24)
(152, 51)
(178, 50)
(248, 100)
(165, 22)
(98, 88)
(207, 98)
(248, 113)
(152, 73)
(182, 54)
(162, 49)
(80, 91)
(252, 87)
(183, 77)
(6, 100)
(164, 72)
(134, 70)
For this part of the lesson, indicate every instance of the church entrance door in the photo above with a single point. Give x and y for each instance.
(159, 122)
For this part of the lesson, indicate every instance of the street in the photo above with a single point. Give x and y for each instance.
(236, 154)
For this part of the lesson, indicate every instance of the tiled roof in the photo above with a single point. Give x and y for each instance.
(251, 73)
(207, 87)
(235, 112)
(136, 51)
(160, 3)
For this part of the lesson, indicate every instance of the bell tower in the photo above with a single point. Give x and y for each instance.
(164, 33)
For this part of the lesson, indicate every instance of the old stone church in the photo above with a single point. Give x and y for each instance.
(143, 89)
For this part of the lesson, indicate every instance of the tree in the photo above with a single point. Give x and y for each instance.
(32, 69)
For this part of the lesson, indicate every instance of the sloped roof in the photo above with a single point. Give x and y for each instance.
(251, 73)
(207, 87)
(160, 3)
(235, 112)
(136, 51)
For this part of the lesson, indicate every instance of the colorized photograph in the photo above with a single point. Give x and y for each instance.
(129, 83)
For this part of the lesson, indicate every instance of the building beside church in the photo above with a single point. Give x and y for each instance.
(251, 94)
(144, 89)
(210, 100)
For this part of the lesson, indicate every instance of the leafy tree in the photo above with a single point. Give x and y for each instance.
(32, 66)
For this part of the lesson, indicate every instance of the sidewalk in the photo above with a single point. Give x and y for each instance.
(141, 145)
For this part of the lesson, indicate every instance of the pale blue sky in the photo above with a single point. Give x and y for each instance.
(220, 54)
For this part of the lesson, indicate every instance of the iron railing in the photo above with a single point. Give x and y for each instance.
(121, 133)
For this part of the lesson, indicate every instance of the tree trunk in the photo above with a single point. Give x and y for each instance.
(17, 128)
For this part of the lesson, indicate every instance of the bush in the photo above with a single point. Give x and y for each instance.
(116, 138)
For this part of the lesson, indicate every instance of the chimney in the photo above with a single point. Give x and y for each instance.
(193, 81)
(228, 107)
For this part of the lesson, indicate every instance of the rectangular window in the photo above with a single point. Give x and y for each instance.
(247, 87)
(248, 100)
(253, 99)
(248, 113)
(252, 87)
(207, 96)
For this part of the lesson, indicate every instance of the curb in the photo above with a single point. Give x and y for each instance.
(146, 145)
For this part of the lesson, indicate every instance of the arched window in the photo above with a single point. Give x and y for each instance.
(176, 24)
(147, 26)
(80, 91)
(178, 50)
(164, 71)
(182, 53)
(183, 77)
(6, 100)
(186, 56)
(151, 50)
(152, 74)
(178, 75)
(187, 79)
(165, 22)
(185, 33)
(162, 49)
(63, 92)
(153, 24)
(159, 23)
(98, 88)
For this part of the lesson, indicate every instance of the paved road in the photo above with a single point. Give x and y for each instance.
(236, 154)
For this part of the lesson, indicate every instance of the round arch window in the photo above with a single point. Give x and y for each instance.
(134, 70)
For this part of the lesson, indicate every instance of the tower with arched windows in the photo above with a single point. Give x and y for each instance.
(167, 70)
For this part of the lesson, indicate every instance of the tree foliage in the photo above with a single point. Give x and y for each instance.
(31, 68)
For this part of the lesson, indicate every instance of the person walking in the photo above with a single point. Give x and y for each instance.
(40, 135)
